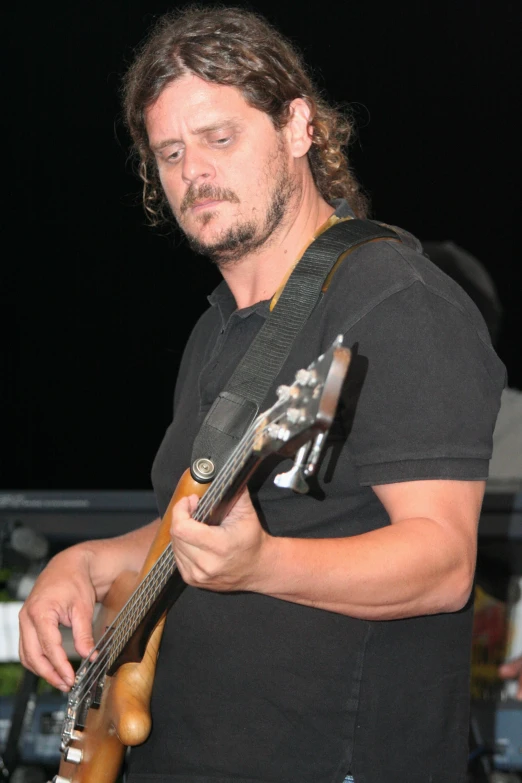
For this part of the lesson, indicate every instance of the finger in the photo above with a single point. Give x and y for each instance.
(185, 528)
(81, 623)
(511, 669)
(193, 501)
(185, 507)
(61, 676)
(42, 637)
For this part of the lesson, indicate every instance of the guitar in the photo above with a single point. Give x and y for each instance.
(109, 704)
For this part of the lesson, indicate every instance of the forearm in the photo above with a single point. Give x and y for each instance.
(422, 563)
(106, 558)
(411, 568)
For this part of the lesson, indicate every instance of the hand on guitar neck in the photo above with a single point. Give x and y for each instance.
(229, 556)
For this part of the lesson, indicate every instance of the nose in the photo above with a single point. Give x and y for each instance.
(196, 166)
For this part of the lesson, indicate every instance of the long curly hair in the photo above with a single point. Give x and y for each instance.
(239, 48)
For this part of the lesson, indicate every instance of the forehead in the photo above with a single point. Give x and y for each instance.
(190, 104)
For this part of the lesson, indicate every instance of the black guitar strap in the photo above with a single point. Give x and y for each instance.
(238, 404)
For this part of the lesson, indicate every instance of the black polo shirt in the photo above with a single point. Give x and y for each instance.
(254, 689)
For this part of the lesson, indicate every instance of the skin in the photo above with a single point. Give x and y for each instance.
(210, 143)
(217, 159)
(512, 670)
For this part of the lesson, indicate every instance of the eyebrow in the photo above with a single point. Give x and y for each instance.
(198, 132)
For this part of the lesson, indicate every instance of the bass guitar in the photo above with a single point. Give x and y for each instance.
(108, 707)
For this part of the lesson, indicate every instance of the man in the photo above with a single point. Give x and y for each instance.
(321, 636)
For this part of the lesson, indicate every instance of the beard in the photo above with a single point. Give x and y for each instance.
(245, 236)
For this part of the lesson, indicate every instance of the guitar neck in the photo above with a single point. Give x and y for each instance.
(160, 583)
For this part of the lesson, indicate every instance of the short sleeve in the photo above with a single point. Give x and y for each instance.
(429, 394)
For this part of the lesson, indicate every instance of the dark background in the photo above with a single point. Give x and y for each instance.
(97, 307)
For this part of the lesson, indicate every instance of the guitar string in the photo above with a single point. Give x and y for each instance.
(160, 569)
(147, 589)
(143, 587)
(92, 669)
(117, 631)
(132, 619)
(141, 600)
(163, 568)
(108, 635)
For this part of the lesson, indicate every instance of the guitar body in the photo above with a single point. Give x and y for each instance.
(123, 716)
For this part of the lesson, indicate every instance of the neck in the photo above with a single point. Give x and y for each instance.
(258, 275)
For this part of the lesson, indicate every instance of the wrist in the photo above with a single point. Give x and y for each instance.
(268, 562)
(88, 559)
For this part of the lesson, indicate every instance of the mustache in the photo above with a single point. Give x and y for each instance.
(193, 195)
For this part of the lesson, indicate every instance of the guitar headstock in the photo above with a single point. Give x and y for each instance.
(305, 410)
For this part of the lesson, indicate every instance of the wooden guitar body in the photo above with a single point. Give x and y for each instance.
(123, 716)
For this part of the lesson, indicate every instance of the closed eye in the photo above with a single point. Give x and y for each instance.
(223, 141)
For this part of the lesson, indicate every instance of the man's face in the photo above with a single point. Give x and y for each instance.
(225, 170)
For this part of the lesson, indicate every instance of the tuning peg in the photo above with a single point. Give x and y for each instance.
(315, 453)
(306, 377)
(283, 392)
(294, 478)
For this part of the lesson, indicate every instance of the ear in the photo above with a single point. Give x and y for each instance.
(298, 129)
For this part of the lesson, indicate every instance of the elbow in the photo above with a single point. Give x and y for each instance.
(458, 600)
(457, 589)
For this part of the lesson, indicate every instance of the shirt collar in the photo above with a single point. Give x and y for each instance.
(222, 298)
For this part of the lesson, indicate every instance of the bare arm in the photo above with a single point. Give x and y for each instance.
(422, 563)
(106, 558)
(65, 593)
